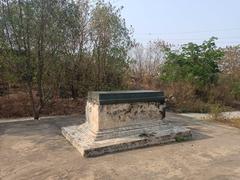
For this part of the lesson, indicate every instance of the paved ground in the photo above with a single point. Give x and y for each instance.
(37, 150)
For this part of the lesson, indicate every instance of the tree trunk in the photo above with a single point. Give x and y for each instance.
(32, 102)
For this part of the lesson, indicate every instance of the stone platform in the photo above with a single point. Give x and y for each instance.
(122, 120)
(80, 139)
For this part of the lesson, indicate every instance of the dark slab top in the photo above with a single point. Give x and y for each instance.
(116, 97)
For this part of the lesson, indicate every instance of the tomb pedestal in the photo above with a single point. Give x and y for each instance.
(122, 120)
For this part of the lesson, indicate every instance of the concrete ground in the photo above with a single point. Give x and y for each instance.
(37, 150)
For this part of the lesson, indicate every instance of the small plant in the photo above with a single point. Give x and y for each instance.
(216, 112)
(181, 139)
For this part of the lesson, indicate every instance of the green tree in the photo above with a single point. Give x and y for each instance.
(193, 63)
(33, 36)
(111, 43)
(50, 46)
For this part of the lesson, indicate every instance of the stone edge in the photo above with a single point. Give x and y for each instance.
(121, 97)
(142, 142)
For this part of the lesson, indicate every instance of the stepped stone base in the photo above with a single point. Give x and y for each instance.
(87, 144)
(123, 120)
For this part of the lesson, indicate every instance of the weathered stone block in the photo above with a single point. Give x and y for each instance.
(121, 120)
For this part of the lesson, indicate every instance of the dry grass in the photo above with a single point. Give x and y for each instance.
(234, 122)
(17, 105)
(14, 105)
(181, 97)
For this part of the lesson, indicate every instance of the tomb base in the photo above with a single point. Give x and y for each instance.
(85, 141)
(123, 120)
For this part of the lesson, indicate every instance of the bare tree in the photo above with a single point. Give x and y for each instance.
(230, 63)
(147, 61)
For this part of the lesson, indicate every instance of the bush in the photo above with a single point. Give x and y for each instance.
(215, 112)
(192, 63)
(181, 97)
(225, 92)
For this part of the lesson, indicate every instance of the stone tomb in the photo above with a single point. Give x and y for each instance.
(122, 120)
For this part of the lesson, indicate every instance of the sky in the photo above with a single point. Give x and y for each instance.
(182, 21)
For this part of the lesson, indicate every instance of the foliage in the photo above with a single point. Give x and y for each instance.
(194, 77)
(197, 64)
(62, 48)
(216, 112)
(111, 41)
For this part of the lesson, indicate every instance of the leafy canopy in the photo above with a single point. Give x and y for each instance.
(193, 63)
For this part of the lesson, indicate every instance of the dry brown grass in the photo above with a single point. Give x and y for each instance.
(17, 105)
(216, 115)
(234, 122)
(181, 97)
(14, 105)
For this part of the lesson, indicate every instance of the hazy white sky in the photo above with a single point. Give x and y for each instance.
(181, 21)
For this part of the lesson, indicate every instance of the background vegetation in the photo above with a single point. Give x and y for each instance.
(53, 52)
(195, 77)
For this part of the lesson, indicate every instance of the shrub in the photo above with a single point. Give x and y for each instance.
(216, 112)
(196, 64)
